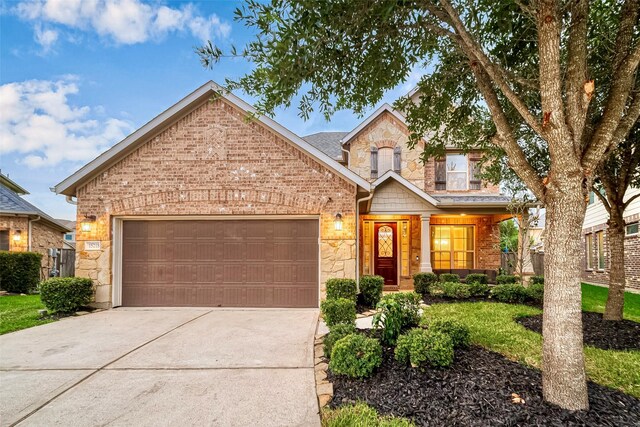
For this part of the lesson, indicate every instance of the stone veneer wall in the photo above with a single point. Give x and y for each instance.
(213, 162)
(44, 237)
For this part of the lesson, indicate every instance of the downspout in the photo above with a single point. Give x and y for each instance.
(348, 155)
(363, 199)
(71, 201)
(31, 221)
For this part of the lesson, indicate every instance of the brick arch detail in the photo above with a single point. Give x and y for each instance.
(219, 201)
(386, 143)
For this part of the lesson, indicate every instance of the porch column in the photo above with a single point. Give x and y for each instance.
(425, 245)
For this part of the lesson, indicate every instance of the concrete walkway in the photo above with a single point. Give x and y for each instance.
(162, 367)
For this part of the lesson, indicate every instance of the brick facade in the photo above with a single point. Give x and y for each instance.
(213, 162)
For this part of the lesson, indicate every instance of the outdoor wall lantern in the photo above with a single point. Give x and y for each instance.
(87, 223)
(17, 235)
(338, 222)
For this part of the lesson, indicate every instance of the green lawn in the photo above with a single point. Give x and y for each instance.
(20, 312)
(360, 415)
(595, 297)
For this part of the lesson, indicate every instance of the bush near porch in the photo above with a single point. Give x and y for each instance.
(19, 271)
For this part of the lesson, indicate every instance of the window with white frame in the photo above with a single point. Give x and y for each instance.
(631, 229)
(457, 172)
(385, 160)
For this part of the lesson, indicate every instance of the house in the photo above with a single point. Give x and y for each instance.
(24, 227)
(202, 207)
(70, 237)
(594, 231)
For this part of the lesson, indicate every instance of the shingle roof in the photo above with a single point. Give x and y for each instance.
(327, 142)
(12, 203)
(480, 198)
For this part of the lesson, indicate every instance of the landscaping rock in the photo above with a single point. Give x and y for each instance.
(324, 400)
(326, 388)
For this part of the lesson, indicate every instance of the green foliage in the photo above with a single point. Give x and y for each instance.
(478, 289)
(476, 278)
(422, 281)
(510, 292)
(66, 294)
(422, 347)
(339, 310)
(535, 291)
(19, 271)
(449, 277)
(509, 236)
(371, 289)
(458, 332)
(20, 312)
(355, 356)
(360, 415)
(503, 279)
(396, 312)
(337, 332)
(535, 280)
(454, 290)
(342, 288)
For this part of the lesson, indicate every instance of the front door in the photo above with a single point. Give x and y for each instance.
(386, 257)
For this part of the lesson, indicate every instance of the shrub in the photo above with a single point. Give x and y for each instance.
(454, 290)
(504, 279)
(336, 333)
(422, 347)
(477, 278)
(396, 312)
(422, 281)
(371, 289)
(510, 292)
(479, 289)
(355, 356)
(449, 277)
(537, 280)
(458, 332)
(19, 271)
(535, 292)
(342, 288)
(360, 415)
(66, 294)
(339, 310)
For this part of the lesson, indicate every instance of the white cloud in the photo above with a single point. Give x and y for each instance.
(38, 122)
(123, 21)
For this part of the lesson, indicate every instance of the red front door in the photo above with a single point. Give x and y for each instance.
(386, 257)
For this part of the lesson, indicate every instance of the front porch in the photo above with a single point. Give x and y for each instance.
(397, 246)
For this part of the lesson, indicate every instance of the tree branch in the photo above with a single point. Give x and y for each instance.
(603, 199)
(628, 202)
(628, 120)
(577, 99)
(497, 74)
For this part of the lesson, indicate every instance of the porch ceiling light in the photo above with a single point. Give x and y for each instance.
(337, 223)
(17, 235)
(87, 223)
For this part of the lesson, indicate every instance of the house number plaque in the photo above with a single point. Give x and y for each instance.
(92, 245)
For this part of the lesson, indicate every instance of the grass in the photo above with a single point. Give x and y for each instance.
(360, 415)
(492, 326)
(594, 299)
(20, 312)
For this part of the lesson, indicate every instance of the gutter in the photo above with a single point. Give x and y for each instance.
(70, 200)
(31, 221)
(363, 199)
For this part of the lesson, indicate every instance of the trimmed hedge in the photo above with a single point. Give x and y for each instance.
(510, 292)
(397, 311)
(477, 278)
(504, 279)
(449, 277)
(355, 356)
(19, 271)
(342, 288)
(535, 292)
(339, 310)
(459, 333)
(336, 333)
(422, 347)
(371, 289)
(537, 280)
(479, 289)
(422, 282)
(66, 294)
(453, 290)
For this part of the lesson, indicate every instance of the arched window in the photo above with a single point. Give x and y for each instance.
(385, 160)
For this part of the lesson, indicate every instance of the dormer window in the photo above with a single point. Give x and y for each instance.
(384, 159)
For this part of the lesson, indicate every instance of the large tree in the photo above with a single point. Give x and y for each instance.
(516, 77)
(619, 172)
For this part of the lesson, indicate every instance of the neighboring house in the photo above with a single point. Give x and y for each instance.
(202, 207)
(70, 237)
(596, 255)
(24, 227)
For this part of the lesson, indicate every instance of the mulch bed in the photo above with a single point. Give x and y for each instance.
(476, 391)
(604, 334)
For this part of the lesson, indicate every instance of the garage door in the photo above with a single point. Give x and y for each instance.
(231, 263)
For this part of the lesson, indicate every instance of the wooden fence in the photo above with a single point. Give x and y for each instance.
(508, 262)
(537, 259)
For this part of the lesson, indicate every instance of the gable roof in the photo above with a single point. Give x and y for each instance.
(384, 108)
(166, 118)
(328, 143)
(410, 186)
(11, 203)
(12, 185)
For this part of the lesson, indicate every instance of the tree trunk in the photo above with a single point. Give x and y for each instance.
(615, 242)
(563, 374)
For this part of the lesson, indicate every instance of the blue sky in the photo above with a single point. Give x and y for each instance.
(77, 76)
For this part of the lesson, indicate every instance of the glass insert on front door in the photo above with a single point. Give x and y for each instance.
(385, 241)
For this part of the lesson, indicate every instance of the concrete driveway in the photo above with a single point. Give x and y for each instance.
(161, 367)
